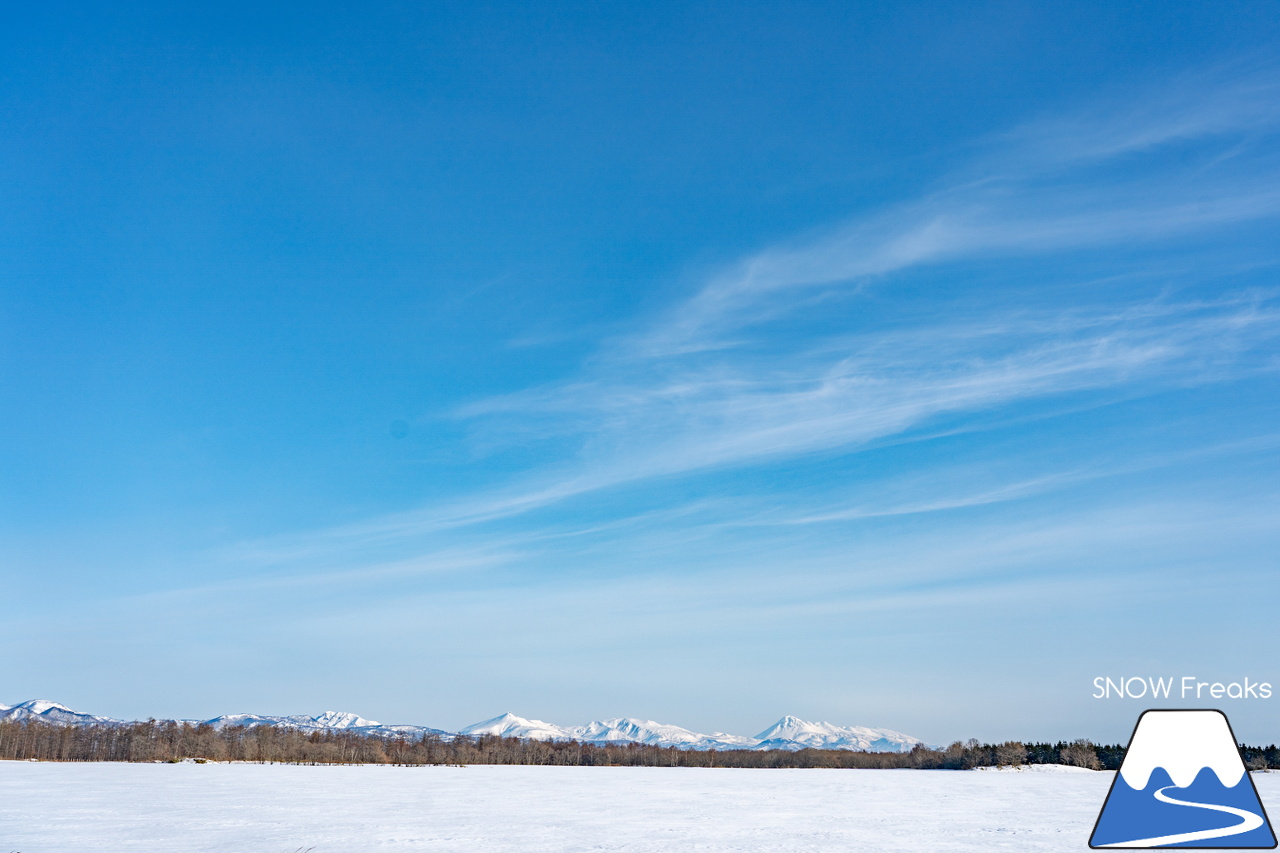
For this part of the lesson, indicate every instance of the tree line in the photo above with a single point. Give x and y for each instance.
(172, 741)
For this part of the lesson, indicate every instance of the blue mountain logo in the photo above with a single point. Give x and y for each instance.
(1183, 784)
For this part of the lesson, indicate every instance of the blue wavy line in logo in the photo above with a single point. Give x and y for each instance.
(1206, 813)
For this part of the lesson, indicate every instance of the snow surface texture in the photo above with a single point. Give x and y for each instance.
(236, 808)
(1033, 768)
(788, 733)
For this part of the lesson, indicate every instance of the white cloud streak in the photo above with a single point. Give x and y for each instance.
(853, 393)
(726, 378)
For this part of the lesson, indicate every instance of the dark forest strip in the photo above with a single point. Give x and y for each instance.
(172, 741)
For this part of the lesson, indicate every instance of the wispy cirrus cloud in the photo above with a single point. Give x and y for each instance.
(838, 395)
(729, 376)
(856, 391)
(1036, 189)
(1235, 100)
(736, 374)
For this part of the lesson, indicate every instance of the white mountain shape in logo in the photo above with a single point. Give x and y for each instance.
(1183, 743)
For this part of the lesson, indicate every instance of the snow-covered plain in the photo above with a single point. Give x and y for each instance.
(249, 808)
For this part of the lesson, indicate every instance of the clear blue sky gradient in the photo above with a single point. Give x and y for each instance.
(904, 365)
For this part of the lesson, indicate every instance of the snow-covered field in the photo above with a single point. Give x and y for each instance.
(248, 808)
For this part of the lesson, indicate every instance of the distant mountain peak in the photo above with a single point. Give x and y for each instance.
(789, 733)
(49, 712)
(43, 706)
(508, 724)
(342, 720)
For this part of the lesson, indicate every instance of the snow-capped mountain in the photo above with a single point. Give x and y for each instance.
(790, 733)
(327, 721)
(509, 725)
(343, 720)
(618, 730)
(50, 712)
(793, 733)
(632, 730)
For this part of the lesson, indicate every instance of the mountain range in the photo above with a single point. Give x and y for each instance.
(789, 733)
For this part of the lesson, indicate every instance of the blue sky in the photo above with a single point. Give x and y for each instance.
(902, 366)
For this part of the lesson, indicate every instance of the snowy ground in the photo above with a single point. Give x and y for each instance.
(247, 808)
